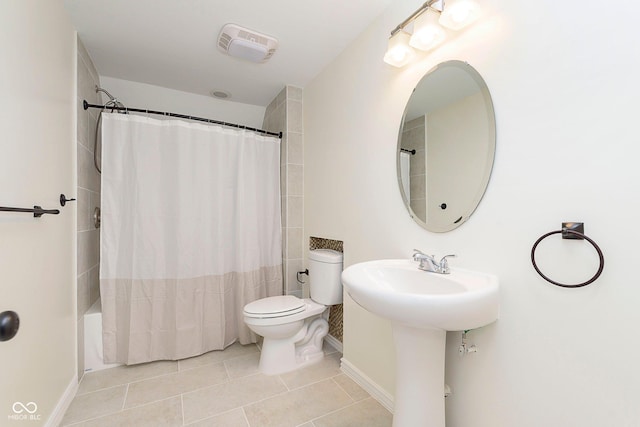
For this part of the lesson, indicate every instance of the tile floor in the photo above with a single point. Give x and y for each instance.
(224, 388)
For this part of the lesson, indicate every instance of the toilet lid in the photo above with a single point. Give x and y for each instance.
(279, 306)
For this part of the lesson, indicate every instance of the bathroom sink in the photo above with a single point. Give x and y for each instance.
(397, 290)
(422, 306)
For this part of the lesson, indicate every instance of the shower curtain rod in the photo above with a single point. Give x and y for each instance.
(86, 106)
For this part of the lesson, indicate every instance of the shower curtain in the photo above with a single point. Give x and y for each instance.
(190, 234)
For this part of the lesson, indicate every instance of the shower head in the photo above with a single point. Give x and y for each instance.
(113, 102)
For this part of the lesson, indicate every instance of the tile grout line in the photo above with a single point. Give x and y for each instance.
(330, 377)
(338, 410)
(290, 390)
(79, 423)
(173, 396)
(343, 389)
(124, 401)
(125, 383)
(182, 407)
(245, 416)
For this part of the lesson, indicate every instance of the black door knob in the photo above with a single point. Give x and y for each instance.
(9, 324)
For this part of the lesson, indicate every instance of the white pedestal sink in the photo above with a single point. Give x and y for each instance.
(422, 306)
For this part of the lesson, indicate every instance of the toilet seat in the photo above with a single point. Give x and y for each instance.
(278, 306)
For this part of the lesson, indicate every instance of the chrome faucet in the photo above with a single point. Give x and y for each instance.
(428, 262)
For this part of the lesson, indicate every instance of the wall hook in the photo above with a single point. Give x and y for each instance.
(64, 200)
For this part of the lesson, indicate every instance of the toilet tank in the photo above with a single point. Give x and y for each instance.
(325, 268)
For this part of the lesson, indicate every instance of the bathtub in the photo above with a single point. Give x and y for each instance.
(93, 339)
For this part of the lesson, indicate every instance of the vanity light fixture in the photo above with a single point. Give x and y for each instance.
(399, 53)
(428, 32)
(459, 14)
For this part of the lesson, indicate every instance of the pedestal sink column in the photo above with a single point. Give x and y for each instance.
(420, 354)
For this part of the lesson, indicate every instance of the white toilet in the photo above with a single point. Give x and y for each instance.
(294, 328)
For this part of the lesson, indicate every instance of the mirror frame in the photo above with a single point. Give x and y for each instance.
(489, 161)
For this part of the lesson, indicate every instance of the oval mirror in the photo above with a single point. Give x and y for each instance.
(446, 146)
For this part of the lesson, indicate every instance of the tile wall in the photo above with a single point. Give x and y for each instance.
(414, 138)
(284, 114)
(88, 196)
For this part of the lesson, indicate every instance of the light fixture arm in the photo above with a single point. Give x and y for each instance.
(413, 16)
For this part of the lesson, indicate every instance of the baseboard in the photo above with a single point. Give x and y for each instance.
(367, 384)
(63, 404)
(333, 342)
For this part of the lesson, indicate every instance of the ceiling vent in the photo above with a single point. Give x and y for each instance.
(246, 44)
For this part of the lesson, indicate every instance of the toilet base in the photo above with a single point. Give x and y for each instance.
(305, 348)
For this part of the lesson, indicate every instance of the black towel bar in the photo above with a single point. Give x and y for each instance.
(37, 211)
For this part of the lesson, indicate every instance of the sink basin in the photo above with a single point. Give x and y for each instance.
(397, 290)
(422, 306)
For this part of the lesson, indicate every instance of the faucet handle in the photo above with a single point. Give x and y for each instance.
(444, 264)
(419, 255)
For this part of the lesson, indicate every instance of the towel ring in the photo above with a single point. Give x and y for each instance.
(578, 235)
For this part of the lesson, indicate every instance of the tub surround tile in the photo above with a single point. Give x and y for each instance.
(294, 212)
(295, 148)
(80, 337)
(82, 127)
(292, 266)
(294, 243)
(294, 116)
(92, 123)
(294, 93)
(83, 55)
(284, 114)
(82, 295)
(88, 176)
(295, 177)
(87, 190)
(88, 250)
(94, 284)
(84, 201)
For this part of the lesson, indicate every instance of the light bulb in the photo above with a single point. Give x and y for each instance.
(427, 33)
(399, 53)
(459, 13)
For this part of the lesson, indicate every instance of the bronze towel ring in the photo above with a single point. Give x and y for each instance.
(568, 233)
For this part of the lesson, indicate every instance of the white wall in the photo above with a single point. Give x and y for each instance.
(145, 96)
(564, 83)
(37, 163)
(458, 151)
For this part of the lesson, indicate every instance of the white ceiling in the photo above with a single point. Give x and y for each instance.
(172, 43)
